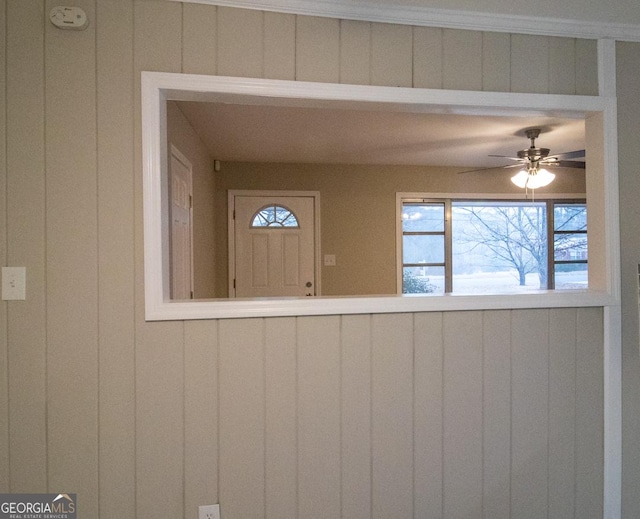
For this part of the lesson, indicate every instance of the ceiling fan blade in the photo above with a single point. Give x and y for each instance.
(577, 164)
(489, 168)
(569, 155)
(507, 157)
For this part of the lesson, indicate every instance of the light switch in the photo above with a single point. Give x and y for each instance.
(14, 283)
(329, 260)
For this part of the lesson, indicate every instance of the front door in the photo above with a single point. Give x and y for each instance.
(272, 247)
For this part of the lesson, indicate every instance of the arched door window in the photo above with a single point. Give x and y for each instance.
(274, 216)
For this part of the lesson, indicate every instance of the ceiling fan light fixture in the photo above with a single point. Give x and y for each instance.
(533, 179)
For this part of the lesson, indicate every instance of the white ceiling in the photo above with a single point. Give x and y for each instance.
(249, 133)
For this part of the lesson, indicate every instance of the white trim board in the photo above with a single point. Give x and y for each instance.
(612, 361)
(444, 18)
(157, 87)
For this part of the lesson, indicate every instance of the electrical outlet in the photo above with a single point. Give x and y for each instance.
(209, 512)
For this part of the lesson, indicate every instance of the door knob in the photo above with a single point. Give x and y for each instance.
(309, 284)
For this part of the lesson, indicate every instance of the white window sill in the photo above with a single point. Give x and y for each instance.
(280, 307)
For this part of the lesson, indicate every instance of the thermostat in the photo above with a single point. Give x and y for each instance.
(69, 18)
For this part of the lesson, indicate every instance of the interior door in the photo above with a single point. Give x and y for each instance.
(180, 174)
(274, 253)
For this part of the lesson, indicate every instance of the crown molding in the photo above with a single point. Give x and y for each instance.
(444, 18)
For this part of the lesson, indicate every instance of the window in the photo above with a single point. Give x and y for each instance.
(570, 246)
(598, 112)
(274, 216)
(493, 246)
(423, 246)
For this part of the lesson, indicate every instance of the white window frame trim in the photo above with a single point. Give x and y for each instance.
(158, 87)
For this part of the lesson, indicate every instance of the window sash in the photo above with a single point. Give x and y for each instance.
(551, 233)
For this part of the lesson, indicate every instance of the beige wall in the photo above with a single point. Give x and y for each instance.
(182, 135)
(378, 416)
(358, 211)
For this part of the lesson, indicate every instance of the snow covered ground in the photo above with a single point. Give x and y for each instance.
(507, 282)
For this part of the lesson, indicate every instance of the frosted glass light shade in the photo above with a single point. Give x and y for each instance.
(541, 178)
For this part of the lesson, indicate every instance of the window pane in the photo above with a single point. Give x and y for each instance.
(423, 248)
(571, 276)
(274, 216)
(499, 246)
(570, 217)
(423, 280)
(423, 217)
(570, 247)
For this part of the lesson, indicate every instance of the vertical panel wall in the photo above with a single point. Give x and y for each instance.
(4, 339)
(629, 124)
(115, 213)
(496, 414)
(356, 433)
(462, 414)
(159, 350)
(25, 197)
(480, 414)
(392, 416)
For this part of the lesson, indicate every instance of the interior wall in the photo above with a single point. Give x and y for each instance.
(620, 12)
(454, 414)
(4, 336)
(151, 419)
(629, 153)
(181, 134)
(358, 211)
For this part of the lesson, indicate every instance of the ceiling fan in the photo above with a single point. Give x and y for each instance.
(534, 161)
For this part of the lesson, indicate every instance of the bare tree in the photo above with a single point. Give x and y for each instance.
(515, 235)
(570, 238)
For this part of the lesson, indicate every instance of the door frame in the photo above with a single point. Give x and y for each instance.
(182, 158)
(231, 196)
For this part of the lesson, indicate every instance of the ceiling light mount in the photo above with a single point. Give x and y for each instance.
(533, 154)
(532, 176)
